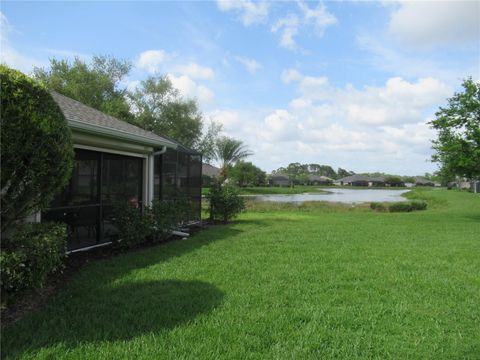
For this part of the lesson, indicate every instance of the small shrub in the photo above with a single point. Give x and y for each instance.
(418, 205)
(404, 206)
(134, 227)
(225, 201)
(29, 255)
(168, 214)
(378, 206)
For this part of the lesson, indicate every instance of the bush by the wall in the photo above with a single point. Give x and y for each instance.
(36, 147)
(134, 227)
(225, 202)
(29, 255)
(167, 215)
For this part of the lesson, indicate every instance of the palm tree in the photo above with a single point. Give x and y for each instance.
(228, 151)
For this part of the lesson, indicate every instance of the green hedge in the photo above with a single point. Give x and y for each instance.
(36, 147)
(29, 255)
(404, 206)
(134, 227)
(155, 223)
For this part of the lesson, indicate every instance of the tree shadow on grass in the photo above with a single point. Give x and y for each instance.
(102, 303)
(120, 312)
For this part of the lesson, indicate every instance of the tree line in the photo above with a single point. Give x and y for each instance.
(300, 172)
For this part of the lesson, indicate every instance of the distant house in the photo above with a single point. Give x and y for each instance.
(469, 185)
(209, 172)
(378, 181)
(395, 182)
(475, 186)
(319, 180)
(423, 182)
(353, 180)
(279, 180)
(361, 180)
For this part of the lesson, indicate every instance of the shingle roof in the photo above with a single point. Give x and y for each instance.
(319, 178)
(358, 177)
(278, 177)
(210, 170)
(353, 178)
(76, 111)
(423, 181)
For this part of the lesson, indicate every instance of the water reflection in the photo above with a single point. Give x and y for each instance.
(349, 196)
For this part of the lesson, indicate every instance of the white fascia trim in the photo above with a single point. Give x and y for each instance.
(118, 134)
(110, 151)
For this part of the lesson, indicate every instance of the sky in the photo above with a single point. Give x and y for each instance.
(350, 84)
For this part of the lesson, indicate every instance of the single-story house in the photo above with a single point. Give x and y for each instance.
(473, 186)
(361, 180)
(117, 161)
(319, 180)
(423, 182)
(279, 180)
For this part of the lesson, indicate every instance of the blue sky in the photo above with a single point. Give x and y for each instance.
(349, 84)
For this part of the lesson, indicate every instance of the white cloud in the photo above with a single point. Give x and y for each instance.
(229, 119)
(390, 59)
(289, 28)
(290, 25)
(251, 12)
(197, 71)
(320, 17)
(374, 128)
(10, 56)
(189, 88)
(421, 24)
(290, 75)
(151, 60)
(250, 64)
(280, 125)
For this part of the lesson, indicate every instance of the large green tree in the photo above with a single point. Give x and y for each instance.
(159, 108)
(96, 83)
(247, 174)
(154, 105)
(458, 125)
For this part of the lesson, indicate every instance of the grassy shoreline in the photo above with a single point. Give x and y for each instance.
(320, 282)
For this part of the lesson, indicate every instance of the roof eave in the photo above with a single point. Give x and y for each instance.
(118, 134)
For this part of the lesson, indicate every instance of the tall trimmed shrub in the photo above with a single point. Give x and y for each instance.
(36, 147)
(225, 201)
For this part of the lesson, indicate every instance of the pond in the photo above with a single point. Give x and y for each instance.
(349, 196)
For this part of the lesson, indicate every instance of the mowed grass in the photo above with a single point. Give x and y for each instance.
(315, 283)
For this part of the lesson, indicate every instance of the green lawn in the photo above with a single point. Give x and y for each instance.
(318, 283)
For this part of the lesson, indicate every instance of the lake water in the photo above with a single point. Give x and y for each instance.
(348, 196)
